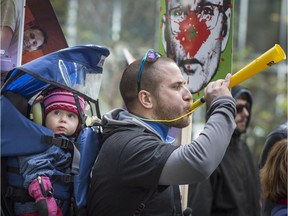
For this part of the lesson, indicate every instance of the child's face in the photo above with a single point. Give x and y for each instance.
(62, 121)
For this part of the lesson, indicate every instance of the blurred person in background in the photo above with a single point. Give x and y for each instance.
(233, 188)
(273, 176)
(279, 133)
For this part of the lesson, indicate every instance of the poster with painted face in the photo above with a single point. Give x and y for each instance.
(11, 31)
(42, 31)
(29, 30)
(197, 34)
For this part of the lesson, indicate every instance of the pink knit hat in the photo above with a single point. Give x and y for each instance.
(62, 99)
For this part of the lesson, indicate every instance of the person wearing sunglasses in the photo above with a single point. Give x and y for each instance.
(233, 188)
(194, 34)
(138, 170)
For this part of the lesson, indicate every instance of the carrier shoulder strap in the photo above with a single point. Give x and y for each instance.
(142, 205)
(177, 199)
(59, 141)
(6, 203)
(66, 144)
(136, 132)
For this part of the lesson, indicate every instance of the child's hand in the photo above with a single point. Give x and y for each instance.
(41, 190)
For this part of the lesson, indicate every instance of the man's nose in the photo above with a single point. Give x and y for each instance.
(245, 111)
(187, 94)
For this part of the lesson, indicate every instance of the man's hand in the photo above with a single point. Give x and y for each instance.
(216, 89)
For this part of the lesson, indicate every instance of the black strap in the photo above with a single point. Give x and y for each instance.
(16, 170)
(66, 178)
(13, 169)
(18, 194)
(142, 205)
(76, 98)
(113, 134)
(177, 199)
(59, 141)
(6, 203)
(22, 195)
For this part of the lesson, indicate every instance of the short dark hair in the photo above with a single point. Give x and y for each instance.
(128, 83)
(149, 79)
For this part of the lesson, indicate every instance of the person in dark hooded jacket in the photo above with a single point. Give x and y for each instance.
(233, 188)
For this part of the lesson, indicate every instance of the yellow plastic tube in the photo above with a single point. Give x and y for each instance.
(267, 59)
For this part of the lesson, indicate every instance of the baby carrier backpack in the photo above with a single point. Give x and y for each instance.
(77, 69)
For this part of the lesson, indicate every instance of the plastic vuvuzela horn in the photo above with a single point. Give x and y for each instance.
(267, 59)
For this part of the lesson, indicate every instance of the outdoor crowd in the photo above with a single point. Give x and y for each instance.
(140, 167)
(138, 170)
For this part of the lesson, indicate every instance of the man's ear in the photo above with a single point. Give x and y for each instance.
(145, 99)
(164, 33)
(226, 29)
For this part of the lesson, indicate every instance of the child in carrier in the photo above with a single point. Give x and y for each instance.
(38, 170)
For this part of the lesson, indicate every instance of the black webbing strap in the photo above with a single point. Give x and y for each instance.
(16, 170)
(18, 194)
(142, 205)
(58, 141)
(76, 98)
(177, 199)
(68, 145)
(22, 195)
(64, 178)
(7, 208)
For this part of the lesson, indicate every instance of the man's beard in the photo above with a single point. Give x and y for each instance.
(165, 113)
